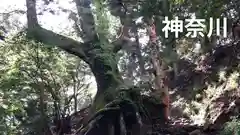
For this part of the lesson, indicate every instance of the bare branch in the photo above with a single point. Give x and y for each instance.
(13, 12)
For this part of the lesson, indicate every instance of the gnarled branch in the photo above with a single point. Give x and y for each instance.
(36, 32)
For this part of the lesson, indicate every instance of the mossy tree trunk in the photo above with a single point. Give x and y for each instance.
(101, 59)
(104, 68)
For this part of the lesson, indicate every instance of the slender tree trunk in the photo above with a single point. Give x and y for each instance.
(160, 69)
(43, 106)
(75, 100)
(75, 92)
(138, 50)
(160, 75)
(130, 67)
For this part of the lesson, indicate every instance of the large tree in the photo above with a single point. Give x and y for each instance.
(100, 56)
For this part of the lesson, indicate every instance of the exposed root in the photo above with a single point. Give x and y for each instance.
(119, 117)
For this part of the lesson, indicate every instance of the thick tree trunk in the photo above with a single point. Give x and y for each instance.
(108, 78)
(100, 59)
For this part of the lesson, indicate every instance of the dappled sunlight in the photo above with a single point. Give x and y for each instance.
(198, 111)
(232, 81)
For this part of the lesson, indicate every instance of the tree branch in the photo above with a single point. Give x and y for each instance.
(36, 32)
(13, 12)
(86, 19)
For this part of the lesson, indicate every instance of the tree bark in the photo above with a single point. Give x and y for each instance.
(160, 69)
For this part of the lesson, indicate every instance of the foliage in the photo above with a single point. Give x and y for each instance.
(232, 127)
(28, 68)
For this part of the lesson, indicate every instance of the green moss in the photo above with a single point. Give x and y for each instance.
(99, 103)
(232, 127)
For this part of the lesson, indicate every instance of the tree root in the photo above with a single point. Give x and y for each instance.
(120, 117)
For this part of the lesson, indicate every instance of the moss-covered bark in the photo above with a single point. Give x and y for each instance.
(104, 67)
